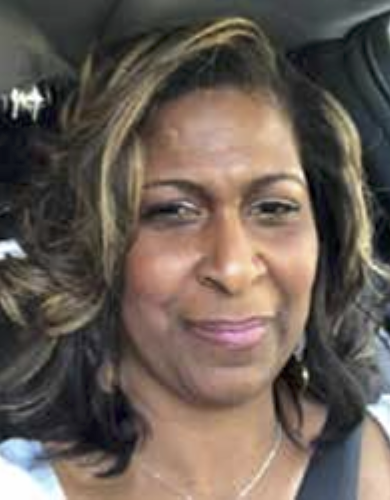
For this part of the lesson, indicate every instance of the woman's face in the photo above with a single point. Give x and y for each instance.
(218, 283)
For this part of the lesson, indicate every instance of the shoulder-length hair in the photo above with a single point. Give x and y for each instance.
(82, 218)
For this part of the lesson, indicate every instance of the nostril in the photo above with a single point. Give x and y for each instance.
(209, 281)
(231, 275)
(258, 262)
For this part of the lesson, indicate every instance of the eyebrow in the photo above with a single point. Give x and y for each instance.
(199, 190)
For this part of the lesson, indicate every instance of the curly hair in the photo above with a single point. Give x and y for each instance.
(82, 216)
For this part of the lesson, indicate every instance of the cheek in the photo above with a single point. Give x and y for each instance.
(154, 274)
(292, 257)
(299, 271)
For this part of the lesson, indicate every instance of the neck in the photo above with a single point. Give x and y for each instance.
(197, 449)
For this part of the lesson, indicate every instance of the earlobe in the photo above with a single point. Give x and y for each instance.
(299, 352)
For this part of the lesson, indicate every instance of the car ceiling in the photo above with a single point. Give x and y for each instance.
(71, 24)
(45, 38)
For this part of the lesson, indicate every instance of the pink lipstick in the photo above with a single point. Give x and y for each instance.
(233, 334)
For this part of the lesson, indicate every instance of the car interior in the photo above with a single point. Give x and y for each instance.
(343, 45)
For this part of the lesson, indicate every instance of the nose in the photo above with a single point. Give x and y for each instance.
(231, 262)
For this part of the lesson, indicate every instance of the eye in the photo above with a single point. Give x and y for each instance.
(171, 213)
(274, 211)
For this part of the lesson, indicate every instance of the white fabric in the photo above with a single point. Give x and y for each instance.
(16, 484)
(381, 412)
(22, 477)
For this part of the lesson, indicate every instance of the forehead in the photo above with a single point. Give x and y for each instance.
(199, 108)
(220, 126)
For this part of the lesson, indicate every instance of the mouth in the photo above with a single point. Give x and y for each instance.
(234, 334)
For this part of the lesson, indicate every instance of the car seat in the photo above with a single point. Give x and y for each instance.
(357, 71)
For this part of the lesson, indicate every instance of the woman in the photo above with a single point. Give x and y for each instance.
(196, 254)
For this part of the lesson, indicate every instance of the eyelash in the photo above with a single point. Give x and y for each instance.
(175, 213)
(178, 212)
(274, 211)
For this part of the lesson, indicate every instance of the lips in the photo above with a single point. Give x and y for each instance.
(238, 334)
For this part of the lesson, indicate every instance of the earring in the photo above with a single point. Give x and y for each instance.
(303, 374)
(107, 378)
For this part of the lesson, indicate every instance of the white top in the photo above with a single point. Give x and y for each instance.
(24, 478)
(381, 412)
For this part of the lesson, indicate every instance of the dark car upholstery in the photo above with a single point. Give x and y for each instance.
(357, 70)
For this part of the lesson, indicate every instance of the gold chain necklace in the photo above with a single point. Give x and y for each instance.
(245, 489)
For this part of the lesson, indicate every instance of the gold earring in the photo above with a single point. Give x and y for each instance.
(305, 377)
(299, 358)
(107, 378)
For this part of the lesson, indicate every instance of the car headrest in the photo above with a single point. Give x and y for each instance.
(357, 71)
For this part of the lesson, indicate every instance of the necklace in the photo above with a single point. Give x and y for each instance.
(245, 489)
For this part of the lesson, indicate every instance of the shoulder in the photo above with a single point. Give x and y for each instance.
(380, 411)
(375, 462)
(13, 477)
(22, 474)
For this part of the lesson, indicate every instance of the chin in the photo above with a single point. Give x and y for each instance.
(229, 390)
